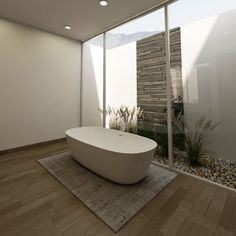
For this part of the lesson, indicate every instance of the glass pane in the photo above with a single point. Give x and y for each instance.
(136, 77)
(92, 82)
(204, 114)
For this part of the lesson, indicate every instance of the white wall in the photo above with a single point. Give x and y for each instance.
(122, 76)
(92, 83)
(121, 81)
(39, 85)
(209, 77)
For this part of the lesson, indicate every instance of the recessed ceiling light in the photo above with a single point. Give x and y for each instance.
(68, 27)
(103, 3)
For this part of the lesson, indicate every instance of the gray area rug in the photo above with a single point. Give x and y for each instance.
(114, 203)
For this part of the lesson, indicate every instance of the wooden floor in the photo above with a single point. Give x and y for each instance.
(33, 203)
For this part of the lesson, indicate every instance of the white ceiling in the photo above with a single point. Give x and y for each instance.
(86, 17)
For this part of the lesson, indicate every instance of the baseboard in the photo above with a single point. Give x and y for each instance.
(22, 148)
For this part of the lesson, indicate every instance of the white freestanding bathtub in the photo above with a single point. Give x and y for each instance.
(118, 156)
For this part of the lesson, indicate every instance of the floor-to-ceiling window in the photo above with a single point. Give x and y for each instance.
(135, 55)
(202, 66)
(204, 82)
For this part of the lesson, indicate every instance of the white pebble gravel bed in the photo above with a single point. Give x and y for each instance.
(213, 169)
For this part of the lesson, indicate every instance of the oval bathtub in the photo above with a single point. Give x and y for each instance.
(118, 156)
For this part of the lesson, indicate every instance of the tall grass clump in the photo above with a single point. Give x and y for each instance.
(196, 140)
(123, 118)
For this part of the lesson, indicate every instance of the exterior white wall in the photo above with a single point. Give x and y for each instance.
(209, 77)
(122, 76)
(121, 87)
(39, 85)
(92, 84)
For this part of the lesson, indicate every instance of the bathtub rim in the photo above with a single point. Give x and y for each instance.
(109, 150)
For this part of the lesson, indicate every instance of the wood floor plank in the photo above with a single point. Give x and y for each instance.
(228, 217)
(186, 228)
(174, 222)
(215, 209)
(162, 215)
(199, 229)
